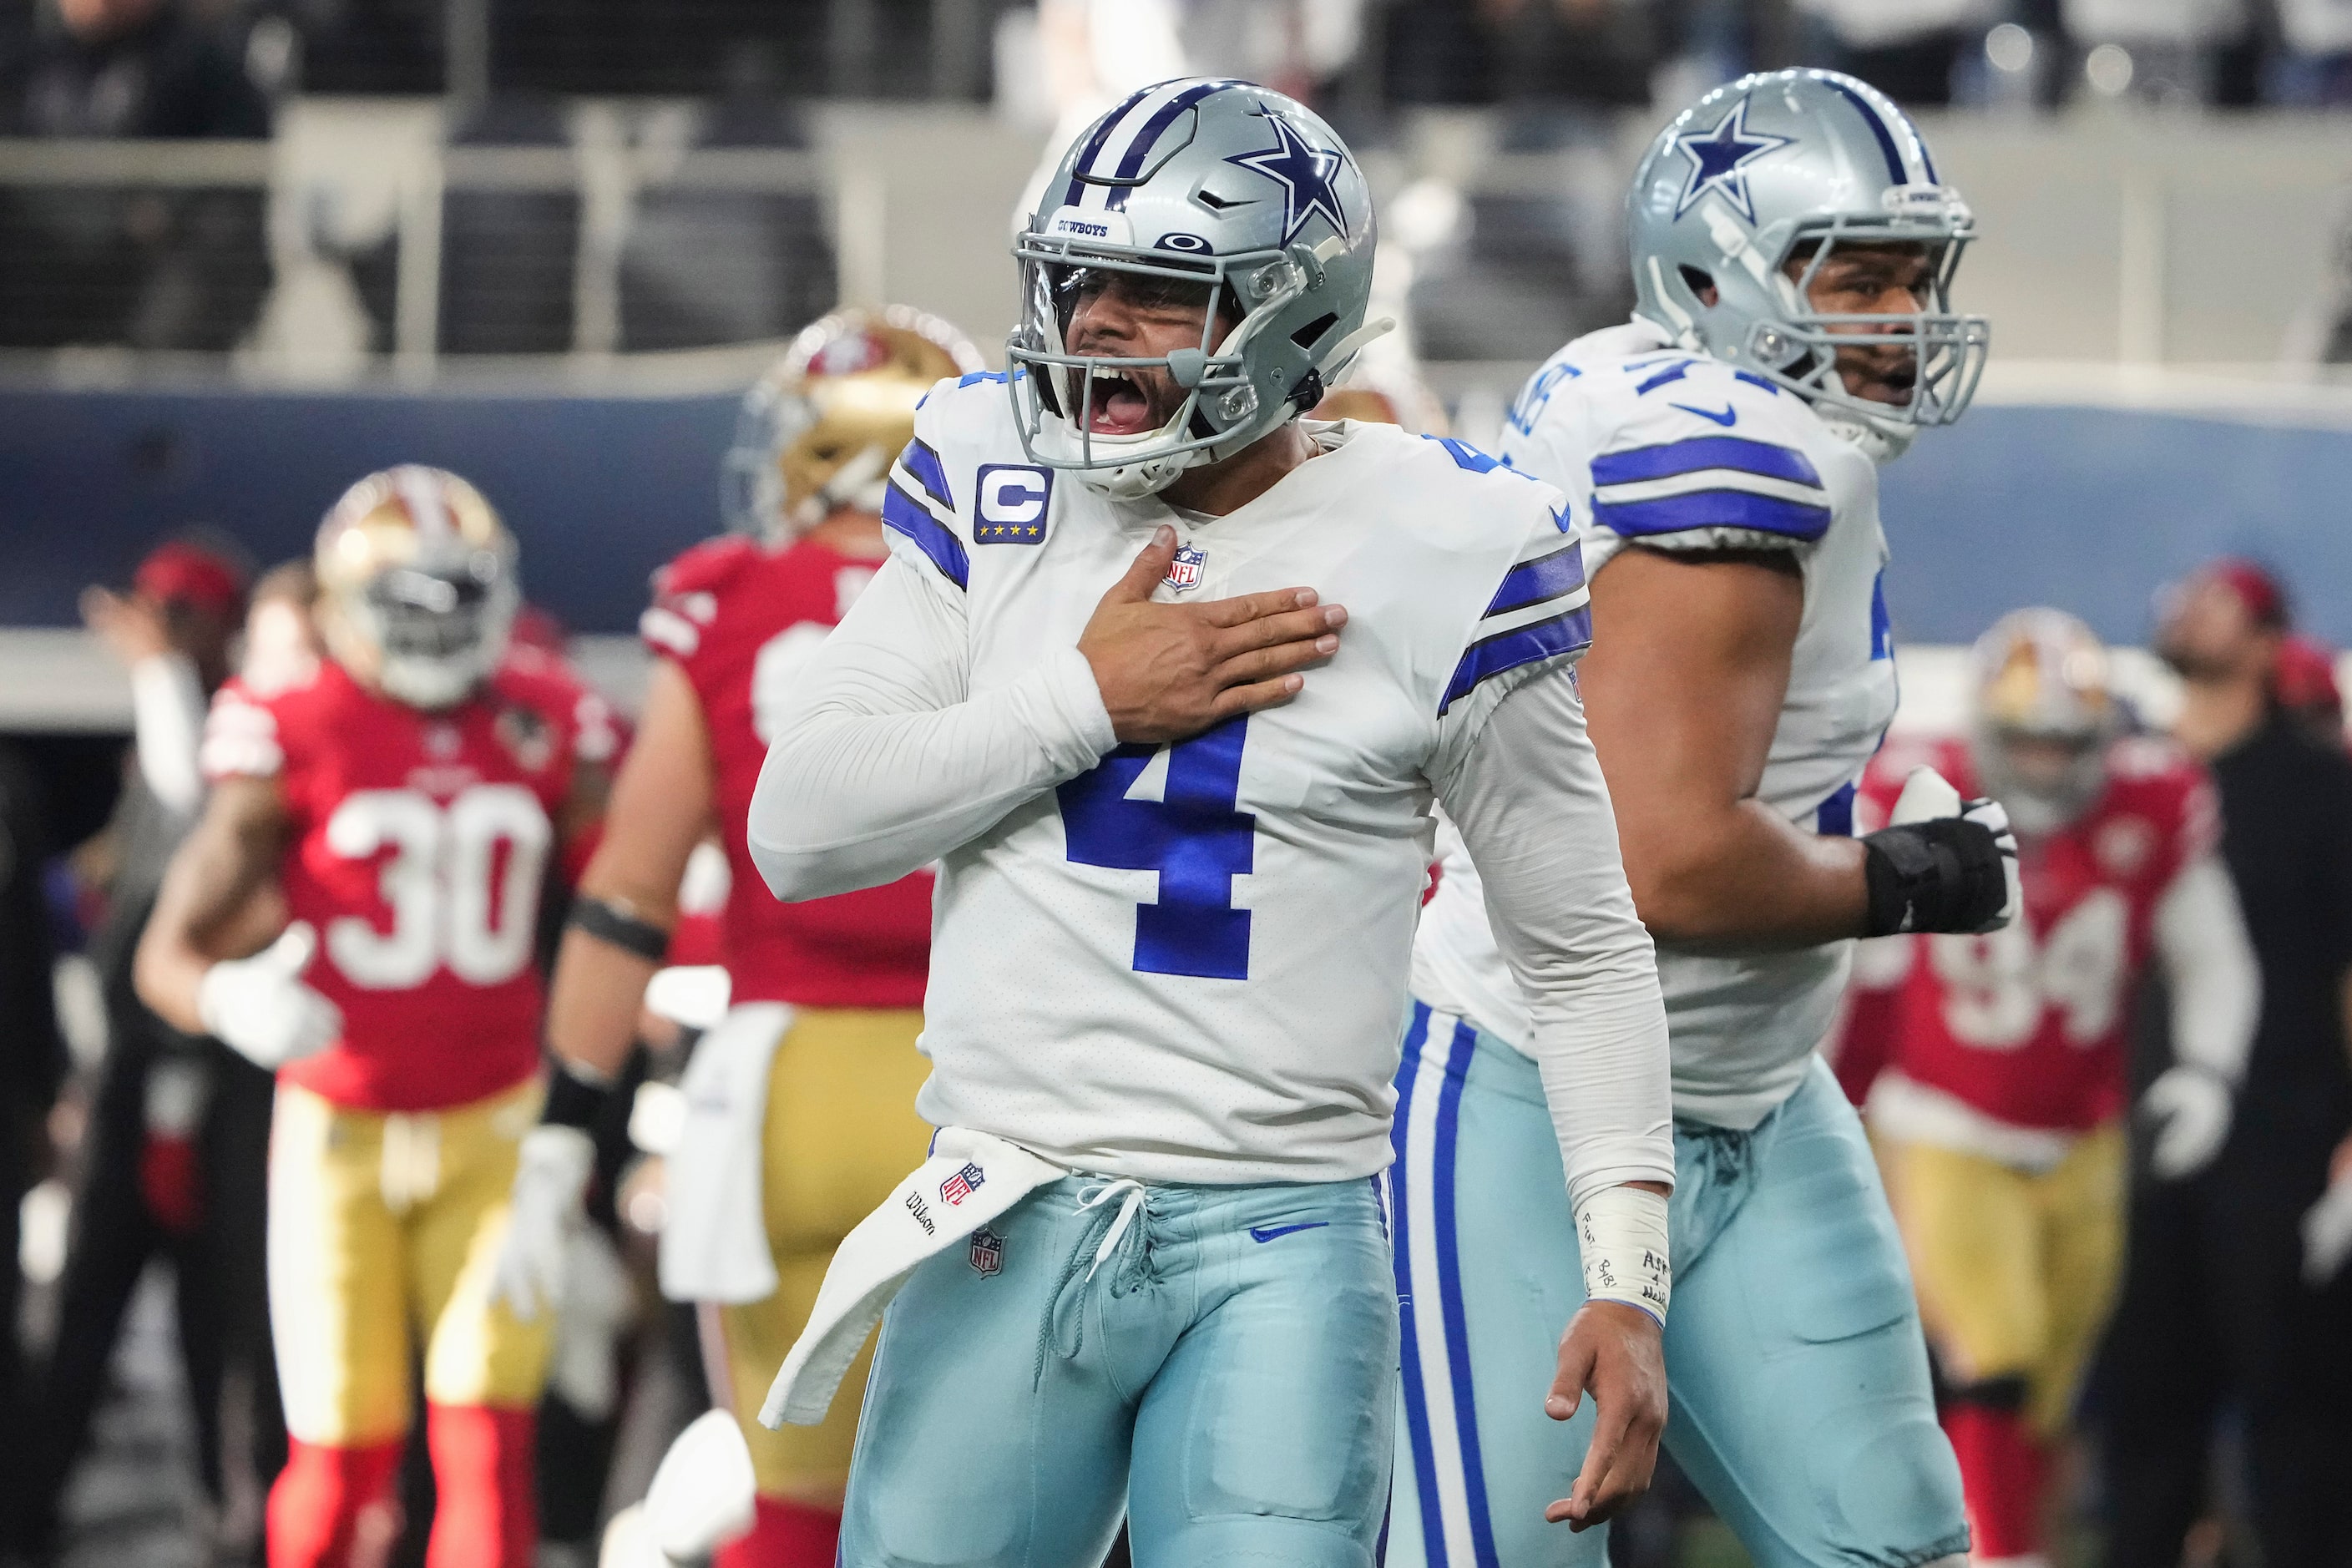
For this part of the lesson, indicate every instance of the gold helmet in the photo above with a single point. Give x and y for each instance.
(416, 584)
(821, 428)
(2045, 710)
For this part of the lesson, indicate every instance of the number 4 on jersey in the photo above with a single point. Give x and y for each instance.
(1193, 837)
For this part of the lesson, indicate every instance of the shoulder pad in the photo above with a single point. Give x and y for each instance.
(710, 564)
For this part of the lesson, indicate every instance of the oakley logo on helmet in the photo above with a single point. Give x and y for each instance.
(1717, 158)
(1187, 242)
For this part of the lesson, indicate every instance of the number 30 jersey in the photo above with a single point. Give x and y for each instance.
(417, 850)
(1187, 963)
(740, 619)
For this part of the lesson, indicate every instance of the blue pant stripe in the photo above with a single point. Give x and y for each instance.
(1449, 1280)
(1416, 1397)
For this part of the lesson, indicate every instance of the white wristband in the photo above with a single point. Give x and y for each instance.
(1621, 1234)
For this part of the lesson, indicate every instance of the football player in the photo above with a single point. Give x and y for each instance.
(1793, 248)
(820, 1043)
(1999, 1110)
(1181, 805)
(356, 909)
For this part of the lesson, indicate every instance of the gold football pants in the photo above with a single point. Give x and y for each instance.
(840, 1132)
(384, 1226)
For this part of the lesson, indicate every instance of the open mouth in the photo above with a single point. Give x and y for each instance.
(1118, 405)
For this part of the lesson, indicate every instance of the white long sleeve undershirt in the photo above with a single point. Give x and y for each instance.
(886, 761)
(167, 717)
(2209, 964)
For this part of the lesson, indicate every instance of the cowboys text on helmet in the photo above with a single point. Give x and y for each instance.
(416, 584)
(1219, 194)
(819, 430)
(1749, 199)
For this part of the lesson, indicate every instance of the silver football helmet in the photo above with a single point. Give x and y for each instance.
(1223, 187)
(1788, 166)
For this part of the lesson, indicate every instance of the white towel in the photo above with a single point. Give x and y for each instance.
(714, 1241)
(970, 1179)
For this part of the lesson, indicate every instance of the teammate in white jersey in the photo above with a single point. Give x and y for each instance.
(1178, 881)
(1792, 247)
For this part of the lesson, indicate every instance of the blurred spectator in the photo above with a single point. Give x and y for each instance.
(2169, 51)
(32, 1063)
(1908, 49)
(156, 269)
(1552, 55)
(2313, 66)
(2306, 689)
(134, 67)
(174, 1159)
(2224, 1302)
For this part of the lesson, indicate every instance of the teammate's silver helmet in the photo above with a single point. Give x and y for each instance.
(1791, 163)
(1225, 186)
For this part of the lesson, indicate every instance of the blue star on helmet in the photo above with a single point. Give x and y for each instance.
(1305, 172)
(1719, 159)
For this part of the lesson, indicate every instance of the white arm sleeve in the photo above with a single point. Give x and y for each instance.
(885, 760)
(1534, 812)
(167, 715)
(2217, 986)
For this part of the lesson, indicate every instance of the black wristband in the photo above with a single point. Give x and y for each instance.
(573, 1098)
(608, 922)
(1943, 874)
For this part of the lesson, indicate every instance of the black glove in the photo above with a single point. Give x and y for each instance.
(1947, 874)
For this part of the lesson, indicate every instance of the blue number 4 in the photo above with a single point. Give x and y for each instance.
(1194, 838)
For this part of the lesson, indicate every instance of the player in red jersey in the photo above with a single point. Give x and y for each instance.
(356, 909)
(802, 1101)
(1999, 1061)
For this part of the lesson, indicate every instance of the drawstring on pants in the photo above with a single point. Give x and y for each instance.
(1070, 1292)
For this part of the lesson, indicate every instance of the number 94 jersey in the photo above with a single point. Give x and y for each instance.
(2027, 1027)
(418, 844)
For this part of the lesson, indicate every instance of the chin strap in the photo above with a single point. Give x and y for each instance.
(1336, 360)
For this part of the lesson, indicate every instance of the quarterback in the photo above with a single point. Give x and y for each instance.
(1792, 247)
(357, 910)
(801, 1103)
(2001, 1083)
(1181, 810)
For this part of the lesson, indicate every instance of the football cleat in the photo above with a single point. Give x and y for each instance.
(416, 584)
(818, 431)
(2045, 712)
(1794, 165)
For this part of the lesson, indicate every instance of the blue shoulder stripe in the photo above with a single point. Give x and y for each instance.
(1465, 455)
(1545, 577)
(974, 377)
(1713, 508)
(1530, 644)
(1701, 453)
(928, 471)
(902, 512)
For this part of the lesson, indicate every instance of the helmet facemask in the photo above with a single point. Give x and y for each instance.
(439, 625)
(1223, 411)
(2045, 712)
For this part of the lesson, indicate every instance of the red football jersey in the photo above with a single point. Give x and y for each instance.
(740, 620)
(419, 847)
(2027, 1024)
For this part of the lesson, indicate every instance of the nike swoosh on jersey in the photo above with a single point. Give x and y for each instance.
(1727, 418)
(1276, 1232)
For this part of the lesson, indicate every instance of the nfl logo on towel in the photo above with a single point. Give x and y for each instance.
(1184, 571)
(957, 1187)
(987, 1252)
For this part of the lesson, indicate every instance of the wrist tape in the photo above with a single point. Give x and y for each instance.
(1942, 875)
(575, 1095)
(1621, 1234)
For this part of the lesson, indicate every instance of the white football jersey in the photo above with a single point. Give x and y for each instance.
(1190, 964)
(1669, 450)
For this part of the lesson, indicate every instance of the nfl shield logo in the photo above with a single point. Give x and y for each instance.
(957, 1187)
(1184, 571)
(987, 1252)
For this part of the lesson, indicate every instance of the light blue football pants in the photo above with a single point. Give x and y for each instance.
(1226, 1377)
(1800, 1404)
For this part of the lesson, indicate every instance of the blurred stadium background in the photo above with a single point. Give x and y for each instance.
(252, 248)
